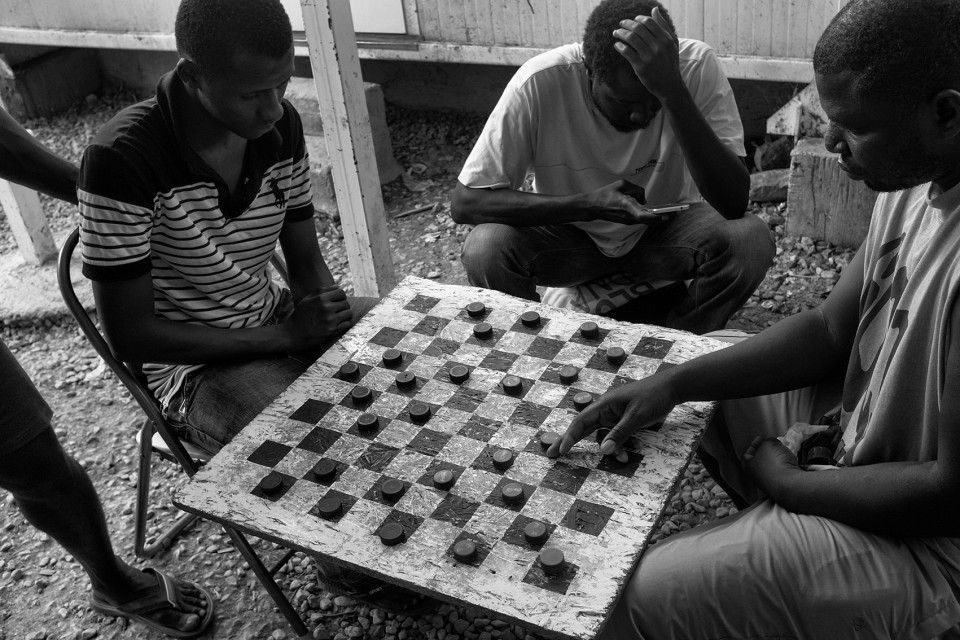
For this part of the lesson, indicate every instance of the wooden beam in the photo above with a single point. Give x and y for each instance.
(24, 213)
(343, 109)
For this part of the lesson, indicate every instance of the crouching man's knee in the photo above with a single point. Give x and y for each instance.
(751, 245)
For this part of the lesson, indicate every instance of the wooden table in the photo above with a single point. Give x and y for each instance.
(598, 512)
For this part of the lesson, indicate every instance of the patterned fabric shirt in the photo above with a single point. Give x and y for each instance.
(150, 204)
(894, 387)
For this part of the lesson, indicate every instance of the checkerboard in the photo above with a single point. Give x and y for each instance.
(599, 511)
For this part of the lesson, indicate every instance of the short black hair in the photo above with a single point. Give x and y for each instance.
(906, 50)
(210, 31)
(601, 58)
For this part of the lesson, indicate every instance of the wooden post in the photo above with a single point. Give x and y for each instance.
(346, 129)
(23, 210)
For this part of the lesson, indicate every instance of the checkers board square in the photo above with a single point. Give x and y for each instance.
(578, 337)
(421, 303)
(652, 348)
(626, 469)
(565, 478)
(466, 399)
(287, 480)
(429, 442)
(441, 347)
(498, 361)
(587, 517)
(519, 327)
(484, 461)
(599, 361)
(552, 374)
(269, 453)
(496, 499)
(558, 583)
(487, 342)
(480, 428)
(483, 549)
(546, 348)
(363, 370)
(377, 457)
(311, 477)
(665, 365)
(525, 385)
(388, 337)
(430, 325)
(514, 534)
(440, 465)
(455, 509)
(348, 401)
(405, 414)
(529, 415)
(375, 493)
(408, 521)
(319, 440)
(311, 411)
(346, 501)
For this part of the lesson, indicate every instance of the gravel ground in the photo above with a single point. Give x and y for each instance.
(43, 592)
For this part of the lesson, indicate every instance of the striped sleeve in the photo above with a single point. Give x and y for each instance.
(300, 194)
(115, 221)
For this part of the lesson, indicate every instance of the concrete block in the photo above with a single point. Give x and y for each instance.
(51, 83)
(769, 186)
(823, 203)
(302, 93)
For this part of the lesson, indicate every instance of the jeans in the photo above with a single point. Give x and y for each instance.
(216, 402)
(725, 260)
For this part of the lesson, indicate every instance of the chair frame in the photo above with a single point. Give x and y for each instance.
(174, 450)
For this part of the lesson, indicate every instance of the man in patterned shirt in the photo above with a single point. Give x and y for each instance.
(183, 199)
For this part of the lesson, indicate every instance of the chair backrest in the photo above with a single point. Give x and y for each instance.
(129, 374)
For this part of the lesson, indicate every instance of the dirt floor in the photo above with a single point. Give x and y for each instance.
(43, 592)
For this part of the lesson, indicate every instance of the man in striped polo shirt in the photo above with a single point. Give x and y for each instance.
(183, 199)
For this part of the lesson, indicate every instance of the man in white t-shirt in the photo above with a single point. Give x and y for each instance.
(631, 118)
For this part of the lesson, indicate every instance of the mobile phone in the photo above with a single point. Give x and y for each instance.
(667, 208)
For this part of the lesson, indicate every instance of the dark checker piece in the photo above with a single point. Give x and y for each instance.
(392, 489)
(459, 373)
(482, 330)
(569, 374)
(392, 534)
(582, 400)
(349, 371)
(530, 319)
(616, 355)
(361, 395)
(512, 385)
(271, 484)
(590, 330)
(512, 493)
(465, 551)
(325, 469)
(476, 309)
(329, 507)
(368, 422)
(551, 559)
(444, 479)
(547, 438)
(392, 357)
(419, 412)
(536, 533)
(502, 459)
(406, 380)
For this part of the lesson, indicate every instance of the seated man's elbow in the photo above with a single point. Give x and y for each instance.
(462, 204)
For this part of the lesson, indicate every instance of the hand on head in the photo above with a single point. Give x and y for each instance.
(652, 49)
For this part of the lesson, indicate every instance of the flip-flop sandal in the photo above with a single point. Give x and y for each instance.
(374, 592)
(167, 598)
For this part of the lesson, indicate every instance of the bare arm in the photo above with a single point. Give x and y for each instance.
(25, 161)
(617, 202)
(137, 335)
(796, 352)
(652, 50)
(894, 498)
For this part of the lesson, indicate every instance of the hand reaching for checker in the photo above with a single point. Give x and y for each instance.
(652, 49)
(624, 411)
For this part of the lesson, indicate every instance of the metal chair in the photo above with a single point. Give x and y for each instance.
(155, 436)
